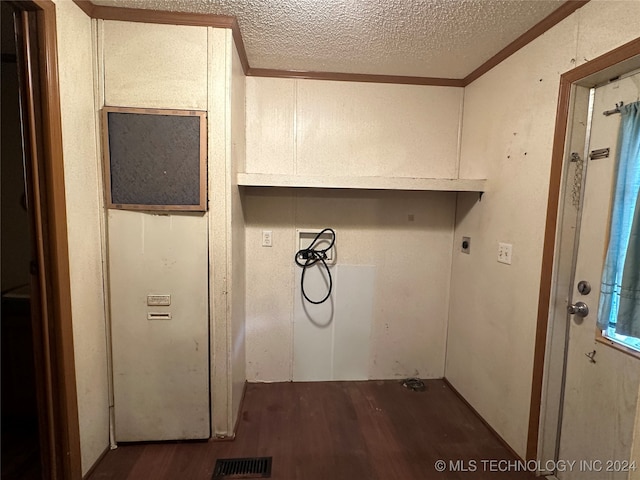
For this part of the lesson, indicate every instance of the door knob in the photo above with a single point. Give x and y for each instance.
(580, 309)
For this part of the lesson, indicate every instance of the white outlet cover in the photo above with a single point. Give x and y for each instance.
(505, 251)
(267, 238)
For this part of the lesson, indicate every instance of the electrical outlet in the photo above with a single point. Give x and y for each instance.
(267, 238)
(504, 253)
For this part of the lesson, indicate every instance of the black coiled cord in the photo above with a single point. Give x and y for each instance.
(309, 256)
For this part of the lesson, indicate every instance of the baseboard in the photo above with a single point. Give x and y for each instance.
(485, 423)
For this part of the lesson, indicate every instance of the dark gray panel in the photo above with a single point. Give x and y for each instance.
(154, 159)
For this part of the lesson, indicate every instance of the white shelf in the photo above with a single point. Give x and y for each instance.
(361, 183)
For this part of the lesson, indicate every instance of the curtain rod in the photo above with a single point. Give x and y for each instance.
(615, 110)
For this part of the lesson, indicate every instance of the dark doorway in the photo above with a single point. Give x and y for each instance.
(21, 452)
(31, 28)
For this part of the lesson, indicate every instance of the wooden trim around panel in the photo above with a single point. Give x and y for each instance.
(567, 80)
(615, 345)
(566, 9)
(202, 180)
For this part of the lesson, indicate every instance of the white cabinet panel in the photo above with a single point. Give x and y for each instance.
(331, 341)
(354, 315)
(313, 327)
(161, 374)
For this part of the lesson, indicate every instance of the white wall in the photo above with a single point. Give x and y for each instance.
(399, 243)
(320, 128)
(313, 127)
(84, 228)
(411, 260)
(509, 117)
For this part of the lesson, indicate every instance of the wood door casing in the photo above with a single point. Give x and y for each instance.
(42, 139)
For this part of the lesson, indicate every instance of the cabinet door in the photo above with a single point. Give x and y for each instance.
(160, 353)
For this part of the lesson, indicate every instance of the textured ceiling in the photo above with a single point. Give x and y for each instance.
(428, 38)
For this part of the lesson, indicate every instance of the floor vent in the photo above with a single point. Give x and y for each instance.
(257, 467)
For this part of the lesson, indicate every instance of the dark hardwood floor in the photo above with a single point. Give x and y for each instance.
(333, 431)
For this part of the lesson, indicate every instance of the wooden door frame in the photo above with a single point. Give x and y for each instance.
(57, 402)
(567, 81)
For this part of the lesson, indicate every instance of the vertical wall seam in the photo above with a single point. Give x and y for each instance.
(333, 322)
(295, 126)
(577, 39)
(451, 284)
(452, 274)
(99, 94)
(210, 327)
(460, 127)
(294, 216)
(210, 226)
(292, 270)
(228, 51)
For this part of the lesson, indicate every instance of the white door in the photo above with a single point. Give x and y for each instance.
(601, 386)
(160, 352)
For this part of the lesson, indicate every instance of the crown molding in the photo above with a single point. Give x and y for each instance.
(562, 12)
(356, 77)
(226, 21)
(168, 18)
